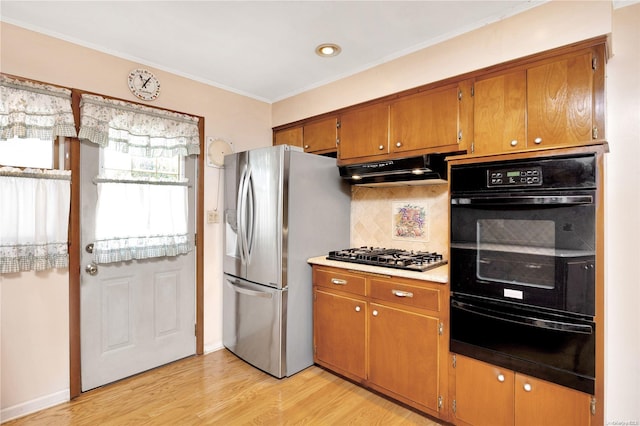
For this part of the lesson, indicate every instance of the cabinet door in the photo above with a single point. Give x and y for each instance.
(339, 332)
(364, 132)
(499, 113)
(403, 351)
(560, 102)
(483, 393)
(291, 136)
(425, 120)
(321, 136)
(538, 402)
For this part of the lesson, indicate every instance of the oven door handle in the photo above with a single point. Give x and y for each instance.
(549, 200)
(524, 320)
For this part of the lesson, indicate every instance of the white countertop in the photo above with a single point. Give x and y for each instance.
(438, 275)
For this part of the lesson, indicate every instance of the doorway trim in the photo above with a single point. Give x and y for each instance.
(72, 162)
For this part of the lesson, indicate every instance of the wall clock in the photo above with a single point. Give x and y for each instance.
(144, 84)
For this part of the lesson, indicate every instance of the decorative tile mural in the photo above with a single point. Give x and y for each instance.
(409, 221)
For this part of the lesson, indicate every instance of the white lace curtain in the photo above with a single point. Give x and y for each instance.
(137, 219)
(138, 129)
(34, 218)
(33, 110)
(34, 204)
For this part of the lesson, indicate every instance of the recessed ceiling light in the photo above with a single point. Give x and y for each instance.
(328, 49)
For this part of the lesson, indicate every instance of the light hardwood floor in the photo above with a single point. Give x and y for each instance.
(220, 389)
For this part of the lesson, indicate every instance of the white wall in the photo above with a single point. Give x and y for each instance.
(34, 357)
(622, 227)
(551, 25)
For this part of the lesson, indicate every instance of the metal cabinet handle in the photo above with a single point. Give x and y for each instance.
(400, 293)
(501, 377)
(514, 142)
(533, 266)
(338, 281)
(537, 141)
(527, 387)
(306, 147)
(91, 269)
(89, 248)
(398, 144)
(374, 313)
(381, 147)
(358, 308)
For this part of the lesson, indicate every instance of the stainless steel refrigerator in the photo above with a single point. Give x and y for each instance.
(281, 207)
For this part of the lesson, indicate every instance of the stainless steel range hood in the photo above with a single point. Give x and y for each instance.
(419, 170)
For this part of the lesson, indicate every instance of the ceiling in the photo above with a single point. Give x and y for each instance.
(261, 49)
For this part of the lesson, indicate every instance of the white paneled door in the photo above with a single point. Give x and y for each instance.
(136, 314)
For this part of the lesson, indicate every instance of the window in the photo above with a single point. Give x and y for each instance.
(127, 166)
(34, 202)
(31, 152)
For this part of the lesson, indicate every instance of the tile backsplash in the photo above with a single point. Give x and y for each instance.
(374, 217)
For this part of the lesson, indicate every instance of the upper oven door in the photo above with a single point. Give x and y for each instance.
(535, 248)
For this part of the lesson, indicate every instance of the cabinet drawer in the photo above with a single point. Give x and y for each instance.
(339, 281)
(418, 297)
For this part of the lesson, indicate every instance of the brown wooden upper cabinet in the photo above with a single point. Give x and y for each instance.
(320, 136)
(551, 99)
(554, 102)
(317, 137)
(427, 121)
(291, 136)
(364, 132)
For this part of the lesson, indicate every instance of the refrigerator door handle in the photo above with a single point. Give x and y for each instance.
(242, 216)
(237, 287)
(239, 215)
(249, 216)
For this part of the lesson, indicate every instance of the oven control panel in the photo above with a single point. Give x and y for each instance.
(517, 176)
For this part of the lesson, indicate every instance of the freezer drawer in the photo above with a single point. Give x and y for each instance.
(254, 324)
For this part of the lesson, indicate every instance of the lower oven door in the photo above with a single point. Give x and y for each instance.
(549, 346)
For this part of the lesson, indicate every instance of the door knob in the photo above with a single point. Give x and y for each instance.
(89, 248)
(91, 269)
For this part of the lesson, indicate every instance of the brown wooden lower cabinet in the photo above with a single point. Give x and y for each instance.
(386, 333)
(403, 354)
(339, 326)
(484, 394)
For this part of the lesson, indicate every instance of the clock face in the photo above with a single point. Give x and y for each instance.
(144, 84)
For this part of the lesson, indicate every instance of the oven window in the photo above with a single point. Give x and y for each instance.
(515, 251)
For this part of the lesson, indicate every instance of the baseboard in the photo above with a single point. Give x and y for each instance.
(34, 405)
(213, 347)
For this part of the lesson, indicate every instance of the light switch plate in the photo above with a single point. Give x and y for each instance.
(213, 216)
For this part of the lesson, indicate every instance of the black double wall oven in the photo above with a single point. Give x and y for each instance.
(522, 265)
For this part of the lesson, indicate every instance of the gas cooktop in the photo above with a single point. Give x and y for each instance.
(389, 258)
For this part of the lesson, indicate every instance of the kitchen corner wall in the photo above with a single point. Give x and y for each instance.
(375, 219)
